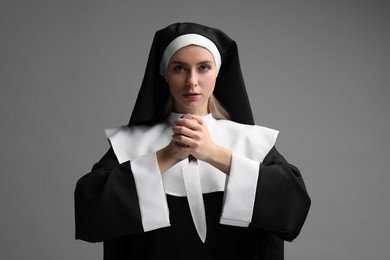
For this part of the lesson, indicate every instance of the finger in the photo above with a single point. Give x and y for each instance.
(187, 116)
(183, 140)
(180, 144)
(199, 119)
(183, 130)
(190, 123)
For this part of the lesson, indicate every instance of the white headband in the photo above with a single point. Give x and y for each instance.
(185, 40)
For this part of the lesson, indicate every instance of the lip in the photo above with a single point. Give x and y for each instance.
(191, 96)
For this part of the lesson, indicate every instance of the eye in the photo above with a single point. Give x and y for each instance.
(204, 68)
(178, 68)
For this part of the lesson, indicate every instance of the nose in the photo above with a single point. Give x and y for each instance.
(192, 78)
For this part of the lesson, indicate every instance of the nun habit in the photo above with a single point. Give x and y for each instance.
(138, 213)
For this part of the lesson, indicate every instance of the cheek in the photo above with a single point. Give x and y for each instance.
(174, 84)
(210, 84)
(172, 89)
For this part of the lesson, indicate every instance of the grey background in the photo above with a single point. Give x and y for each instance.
(316, 70)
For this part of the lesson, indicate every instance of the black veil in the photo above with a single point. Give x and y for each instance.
(229, 90)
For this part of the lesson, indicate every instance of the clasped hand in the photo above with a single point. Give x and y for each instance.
(191, 137)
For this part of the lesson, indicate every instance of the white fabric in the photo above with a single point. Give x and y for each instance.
(195, 197)
(185, 40)
(249, 143)
(150, 191)
(240, 192)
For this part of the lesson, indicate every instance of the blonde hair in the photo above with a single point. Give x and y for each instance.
(216, 109)
(214, 106)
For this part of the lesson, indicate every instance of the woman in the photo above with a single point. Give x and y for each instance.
(191, 176)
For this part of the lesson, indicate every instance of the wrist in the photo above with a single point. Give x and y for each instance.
(167, 157)
(220, 158)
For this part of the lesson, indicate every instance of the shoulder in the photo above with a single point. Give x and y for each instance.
(252, 140)
(244, 130)
(133, 132)
(130, 142)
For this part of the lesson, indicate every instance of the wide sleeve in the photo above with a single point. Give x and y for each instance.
(268, 195)
(108, 201)
(282, 202)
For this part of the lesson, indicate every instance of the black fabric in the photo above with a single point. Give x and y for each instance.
(107, 210)
(229, 89)
(282, 192)
(106, 201)
(180, 241)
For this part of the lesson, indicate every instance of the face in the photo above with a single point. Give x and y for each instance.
(191, 75)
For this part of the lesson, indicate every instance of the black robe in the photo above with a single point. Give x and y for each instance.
(106, 203)
(107, 209)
